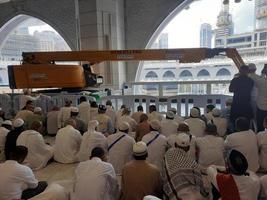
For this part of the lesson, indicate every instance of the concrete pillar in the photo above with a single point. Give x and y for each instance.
(102, 28)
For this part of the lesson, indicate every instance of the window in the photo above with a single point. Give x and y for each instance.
(185, 73)
(223, 72)
(151, 74)
(203, 72)
(168, 75)
(263, 36)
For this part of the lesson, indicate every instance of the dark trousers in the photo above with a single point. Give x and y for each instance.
(261, 114)
(29, 193)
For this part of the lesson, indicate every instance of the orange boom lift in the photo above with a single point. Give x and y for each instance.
(39, 69)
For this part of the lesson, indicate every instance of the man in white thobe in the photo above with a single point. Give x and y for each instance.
(196, 125)
(95, 178)
(263, 181)
(153, 114)
(84, 110)
(177, 117)
(67, 144)
(126, 118)
(105, 125)
(220, 122)
(90, 140)
(110, 112)
(39, 153)
(168, 125)
(4, 129)
(136, 115)
(51, 124)
(262, 142)
(156, 144)
(26, 111)
(210, 148)
(64, 114)
(236, 182)
(245, 141)
(120, 147)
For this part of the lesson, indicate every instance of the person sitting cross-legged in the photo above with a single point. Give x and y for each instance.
(18, 181)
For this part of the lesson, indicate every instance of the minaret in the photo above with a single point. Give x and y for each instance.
(261, 14)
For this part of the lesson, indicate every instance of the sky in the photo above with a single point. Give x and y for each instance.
(184, 28)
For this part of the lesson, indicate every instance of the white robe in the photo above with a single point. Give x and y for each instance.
(130, 121)
(112, 114)
(210, 150)
(157, 149)
(262, 142)
(263, 181)
(63, 116)
(246, 143)
(248, 186)
(39, 153)
(84, 112)
(196, 126)
(155, 116)
(93, 113)
(221, 124)
(53, 192)
(67, 145)
(52, 125)
(3, 134)
(95, 180)
(168, 127)
(121, 152)
(90, 140)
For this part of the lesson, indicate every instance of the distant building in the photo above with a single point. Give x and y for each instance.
(260, 14)
(205, 35)
(163, 41)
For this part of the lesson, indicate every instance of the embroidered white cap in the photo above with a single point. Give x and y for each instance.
(140, 149)
(155, 124)
(7, 122)
(37, 109)
(194, 112)
(123, 126)
(173, 110)
(18, 122)
(74, 109)
(170, 114)
(92, 124)
(183, 140)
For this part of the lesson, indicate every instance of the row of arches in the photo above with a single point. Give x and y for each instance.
(187, 74)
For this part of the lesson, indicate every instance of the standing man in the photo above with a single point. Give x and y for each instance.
(242, 87)
(139, 178)
(153, 114)
(64, 114)
(84, 110)
(110, 112)
(120, 147)
(95, 178)
(182, 175)
(136, 115)
(51, 125)
(105, 124)
(168, 125)
(196, 125)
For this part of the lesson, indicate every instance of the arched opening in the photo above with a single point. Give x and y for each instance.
(185, 74)
(223, 72)
(24, 33)
(151, 75)
(168, 75)
(203, 73)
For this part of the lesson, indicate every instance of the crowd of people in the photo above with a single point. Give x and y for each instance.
(219, 154)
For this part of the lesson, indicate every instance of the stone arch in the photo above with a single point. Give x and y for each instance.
(203, 72)
(151, 75)
(223, 72)
(185, 74)
(168, 75)
(14, 21)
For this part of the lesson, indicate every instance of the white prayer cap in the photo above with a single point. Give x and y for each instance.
(18, 122)
(123, 126)
(252, 66)
(7, 122)
(183, 140)
(37, 109)
(216, 112)
(170, 114)
(150, 197)
(74, 109)
(92, 124)
(155, 124)
(140, 149)
(194, 112)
